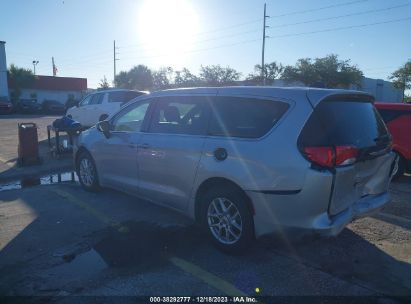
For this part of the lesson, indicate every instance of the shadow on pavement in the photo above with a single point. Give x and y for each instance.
(354, 259)
(66, 238)
(48, 164)
(27, 116)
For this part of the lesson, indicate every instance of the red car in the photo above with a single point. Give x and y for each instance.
(397, 117)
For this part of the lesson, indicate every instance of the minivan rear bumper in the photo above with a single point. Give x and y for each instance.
(265, 221)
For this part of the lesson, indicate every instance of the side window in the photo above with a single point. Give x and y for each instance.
(131, 119)
(122, 96)
(389, 115)
(180, 115)
(97, 99)
(244, 117)
(86, 101)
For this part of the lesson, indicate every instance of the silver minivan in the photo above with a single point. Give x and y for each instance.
(246, 161)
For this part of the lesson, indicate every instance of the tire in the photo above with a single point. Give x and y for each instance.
(401, 167)
(240, 232)
(103, 117)
(87, 172)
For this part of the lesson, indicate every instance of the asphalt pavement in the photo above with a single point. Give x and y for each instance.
(59, 240)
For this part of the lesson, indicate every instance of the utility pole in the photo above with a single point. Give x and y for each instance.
(54, 67)
(263, 48)
(35, 62)
(115, 59)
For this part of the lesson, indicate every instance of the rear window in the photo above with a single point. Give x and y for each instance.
(122, 96)
(244, 117)
(345, 123)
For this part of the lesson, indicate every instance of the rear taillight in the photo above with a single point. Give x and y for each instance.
(331, 157)
(322, 156)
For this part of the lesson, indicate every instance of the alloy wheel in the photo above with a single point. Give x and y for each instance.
(224, 220)
(86, 172)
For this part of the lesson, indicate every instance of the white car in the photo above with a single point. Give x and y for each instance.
(100, 105)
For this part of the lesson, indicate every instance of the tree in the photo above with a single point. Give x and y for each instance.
(185, 78)
(21, 78)
(272, 71)
(163, 78)
(138, 78)
(402, 77)
(216, 75)
(329, 72)
(104, 83)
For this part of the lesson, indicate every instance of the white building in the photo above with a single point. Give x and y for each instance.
(52, 88)
(43, 87)
(4, 91)
(382, 90)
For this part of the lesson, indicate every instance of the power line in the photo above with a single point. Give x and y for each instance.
(341, 28)
(205, 32)
(282, 36)
(342, 16)
(319, 8)
(277, 26)
(206, 40)
(260, 19)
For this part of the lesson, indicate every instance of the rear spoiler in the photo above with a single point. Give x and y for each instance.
(316, 96)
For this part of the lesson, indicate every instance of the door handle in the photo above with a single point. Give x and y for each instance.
(133, 146)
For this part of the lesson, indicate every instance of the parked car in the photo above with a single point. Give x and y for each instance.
(53, 107)
(100, 105)
(397, 116)
(29, 105)
(71, 103)
(246, 161)
(6, 107)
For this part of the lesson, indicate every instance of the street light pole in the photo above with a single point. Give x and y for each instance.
(35, 62)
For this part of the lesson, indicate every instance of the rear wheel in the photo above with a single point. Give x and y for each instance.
(87, 172)
(227, 219)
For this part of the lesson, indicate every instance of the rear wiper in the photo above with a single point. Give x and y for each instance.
(382, 139)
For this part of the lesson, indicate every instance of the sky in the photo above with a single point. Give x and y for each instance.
(79, 34)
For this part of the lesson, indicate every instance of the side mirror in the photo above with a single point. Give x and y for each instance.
(104, 126)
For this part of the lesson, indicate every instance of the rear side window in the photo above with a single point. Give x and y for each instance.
(97, 99)
(122, 96)
(389, 115)
(244, 117)
(345, 123)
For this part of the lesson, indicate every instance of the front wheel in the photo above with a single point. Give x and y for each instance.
(87, 172)
(103, 117)
(227, 219)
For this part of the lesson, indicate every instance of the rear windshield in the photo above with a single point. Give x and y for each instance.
(244, 117)
(345, 123)
(122, 96)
